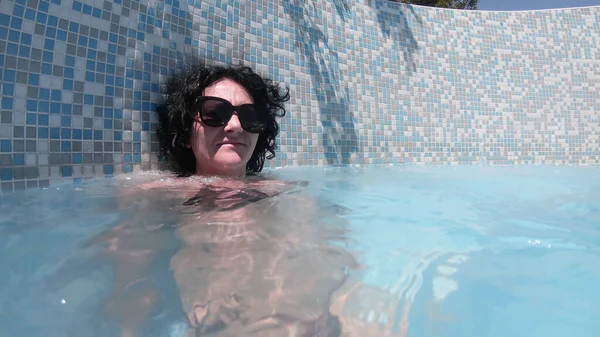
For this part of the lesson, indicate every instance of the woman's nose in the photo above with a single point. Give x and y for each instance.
(234, 124)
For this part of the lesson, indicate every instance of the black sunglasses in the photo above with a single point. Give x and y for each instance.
(216, 112)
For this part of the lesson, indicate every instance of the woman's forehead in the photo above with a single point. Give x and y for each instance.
(230, 90)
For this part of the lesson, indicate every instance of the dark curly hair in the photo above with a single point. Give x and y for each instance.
(176, 116)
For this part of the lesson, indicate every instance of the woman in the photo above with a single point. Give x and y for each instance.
(249, 266)
(220, 121)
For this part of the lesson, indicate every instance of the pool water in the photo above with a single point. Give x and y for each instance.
(435, 251)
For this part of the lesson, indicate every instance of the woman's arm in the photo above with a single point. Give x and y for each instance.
(131, 248)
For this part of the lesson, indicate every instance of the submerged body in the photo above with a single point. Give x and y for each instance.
(256, 259)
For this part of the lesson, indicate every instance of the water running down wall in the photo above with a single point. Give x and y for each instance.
(372, 82)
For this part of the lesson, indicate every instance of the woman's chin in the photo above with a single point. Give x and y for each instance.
(230, 160)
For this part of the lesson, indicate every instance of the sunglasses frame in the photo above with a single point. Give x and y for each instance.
(235, 110)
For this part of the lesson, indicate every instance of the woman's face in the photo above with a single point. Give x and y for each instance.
(224, 150)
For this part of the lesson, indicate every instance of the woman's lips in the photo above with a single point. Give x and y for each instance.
(231, 143)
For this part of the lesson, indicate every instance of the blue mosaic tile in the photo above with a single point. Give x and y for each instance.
(374, 83)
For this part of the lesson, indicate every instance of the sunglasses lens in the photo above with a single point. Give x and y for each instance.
(215, 113)
(252, 119)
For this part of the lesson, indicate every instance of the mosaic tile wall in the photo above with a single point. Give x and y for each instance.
(372, 82)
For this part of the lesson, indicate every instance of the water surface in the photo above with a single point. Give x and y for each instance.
(406, 251)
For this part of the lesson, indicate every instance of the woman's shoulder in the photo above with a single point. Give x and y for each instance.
(275, 183)
(160, 183)
(278, 187)
(169, 182)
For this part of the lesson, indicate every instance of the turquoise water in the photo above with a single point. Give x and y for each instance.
(439, 251)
